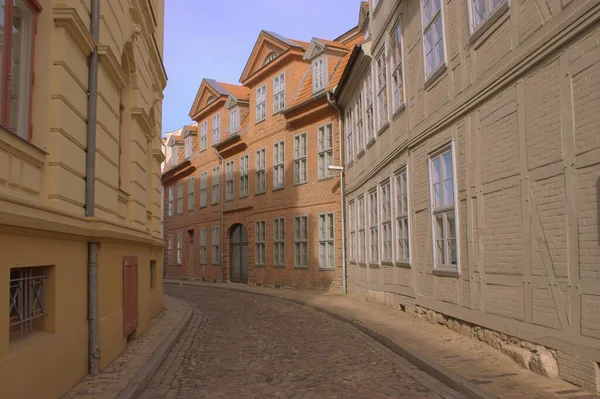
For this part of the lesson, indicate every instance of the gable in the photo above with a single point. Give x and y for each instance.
(266, 44)
(204, 93)
(314, 49)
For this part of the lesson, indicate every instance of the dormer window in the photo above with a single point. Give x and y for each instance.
(188, 147)
(234, 120)
(319, 75)
(270, 58)
(210, 100)
(174, 154)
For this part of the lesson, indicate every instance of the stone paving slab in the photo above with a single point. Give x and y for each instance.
(466, 365)
(126, 375)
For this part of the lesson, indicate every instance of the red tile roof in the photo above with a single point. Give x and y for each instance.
(239, 92)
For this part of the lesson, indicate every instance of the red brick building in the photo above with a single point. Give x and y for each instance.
(249, 195)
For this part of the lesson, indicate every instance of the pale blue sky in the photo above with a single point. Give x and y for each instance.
(213, 39)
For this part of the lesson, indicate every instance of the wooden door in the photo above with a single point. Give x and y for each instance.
(130, 294)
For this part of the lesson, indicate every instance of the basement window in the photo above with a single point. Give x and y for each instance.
(27, 300)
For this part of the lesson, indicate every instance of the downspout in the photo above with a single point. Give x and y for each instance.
(222, 201)
(94, 352)
(334, 104)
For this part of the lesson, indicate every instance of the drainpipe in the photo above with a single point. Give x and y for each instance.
(334, 104)
(222, 201)
(94, 352)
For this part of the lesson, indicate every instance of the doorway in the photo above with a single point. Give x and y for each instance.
(238, 243)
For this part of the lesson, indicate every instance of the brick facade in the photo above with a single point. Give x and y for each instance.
(513, 101)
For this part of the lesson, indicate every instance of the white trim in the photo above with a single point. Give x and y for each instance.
(276, 100)
(423, 39)
(325, 78)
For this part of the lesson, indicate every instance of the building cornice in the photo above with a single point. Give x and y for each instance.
(69, 19)
(112, 65)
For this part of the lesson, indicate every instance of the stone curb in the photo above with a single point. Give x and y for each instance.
(138, 383)
(421, 360)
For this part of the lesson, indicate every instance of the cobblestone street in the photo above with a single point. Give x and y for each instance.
(241, 345)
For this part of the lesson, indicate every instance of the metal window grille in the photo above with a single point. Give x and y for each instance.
(26, 298)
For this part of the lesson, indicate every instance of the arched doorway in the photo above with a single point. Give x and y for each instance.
(238, 254)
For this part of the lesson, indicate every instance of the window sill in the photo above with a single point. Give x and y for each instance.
(179, 264)
(260, 121)
(360, 154)
(387, 263)
(430, 80)
(204, 149)
(377, 8)
(480, 30)
(260, 266)
(397, 112)
(203, 206)
(403, 265)
(325, 178)
(278, 188)
(383, 128)
(301, 267)
(370, 143)
(374, 265)
(229, 200)
(243, 196)
(214, 203)
(326, 269)
(259, 193)
(278, 112)
(301, 183)
(16, 145)
(350, 164)
(446, 272)
(279, 266)
(216, 264)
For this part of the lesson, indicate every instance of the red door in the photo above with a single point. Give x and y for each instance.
(130, 294)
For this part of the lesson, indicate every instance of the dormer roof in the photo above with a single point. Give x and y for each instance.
(175, 140)
(211, 91)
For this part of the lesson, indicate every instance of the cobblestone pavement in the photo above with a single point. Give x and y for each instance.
(239, 345)
(117, 375)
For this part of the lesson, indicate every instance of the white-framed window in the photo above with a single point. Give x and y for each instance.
(234, 120)
(210, 100)
(301, 241)
(216, 125)
(362, 238)
(369, 128)
(261, 173)
(229, 181)
(279, 92)
(191, 193)
(481, 10)
(170, 202)
(261, 103)
(279, 241)
(174, 155)
(215, 245)
(374, 4)
(373, 227)
(433, 36)
(179, 248)
(325, 150)
(203, 246)
(352, 229)
(319, 70)
(188, 147)
(401, 210)
(397, 69)
(260, 242)
(386, 221)
(180, 198)
(244, 176)
(170, 249)
(203, 189)
(326, 239)
(216, 182)
(203, 133)
(360, 127)
(349, 136)
(278, 164)
(382, 96)
(445, 254)
(270, 57)
(300, 158)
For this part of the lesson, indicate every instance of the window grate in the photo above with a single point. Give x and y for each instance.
(27, 298)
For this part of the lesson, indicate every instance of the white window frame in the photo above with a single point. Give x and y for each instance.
(397, 66)
(170, 250)
(171, 197)
(188, 147)
(179, 248)
(260, 242)
(229, 181)
(430, 25)
(444, 211)
(349, 122)
(401, 215)
(261, 103)
(325, 150)
(203, 189)
(326, 241)
(369, 109)
(491, 7)
(362, 225)
(191, 193)
(234, 120)
(180, 199)
(279, 241)
(278, 165)
(174, 155)
(359, 122)
(352, 230)
(374, 253)
(301, 241)
(300, 159)
(216, 128)
(244, 176)
(383, 117)
(260, 164)
(387, 241)
(319, 72)
(203, 252)
(279, 92)
(216, 185)
(203, 136)
(215, 243)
